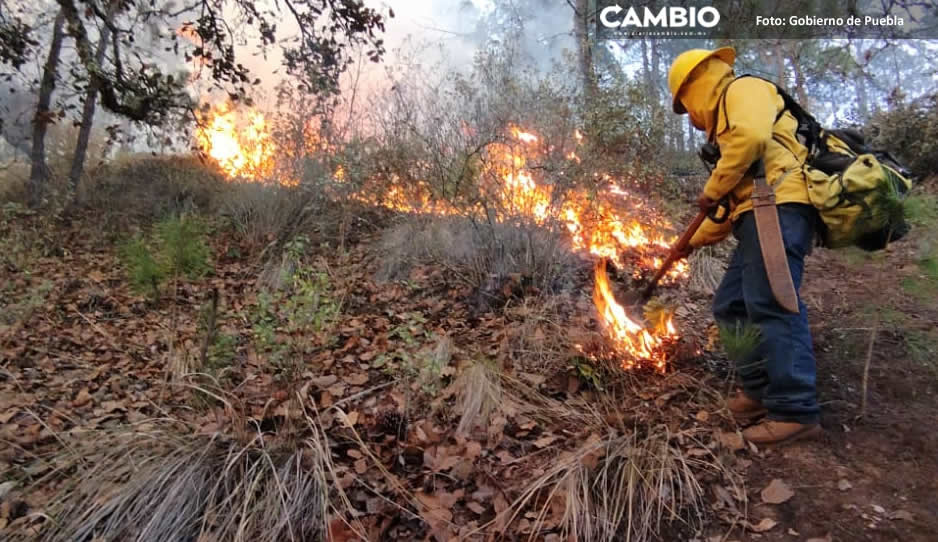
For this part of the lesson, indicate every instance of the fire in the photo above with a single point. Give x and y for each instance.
(628, 335)
(241, 145)
(602, 226)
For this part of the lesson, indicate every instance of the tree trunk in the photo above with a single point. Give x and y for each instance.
(646, 70)
(581, 15)
(655, 71)
(780, 66)
(863, 103)
(800, 90)
(39, 171)
(87, 112)
(691, 138)
(677, 132)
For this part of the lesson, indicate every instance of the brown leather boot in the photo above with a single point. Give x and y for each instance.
(776, 432)
(745, 409)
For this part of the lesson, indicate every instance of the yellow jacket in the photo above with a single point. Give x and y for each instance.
(743, 126)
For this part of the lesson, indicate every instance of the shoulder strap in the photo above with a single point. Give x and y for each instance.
(809, 129)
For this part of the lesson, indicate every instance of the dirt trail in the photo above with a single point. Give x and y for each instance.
(874, 478)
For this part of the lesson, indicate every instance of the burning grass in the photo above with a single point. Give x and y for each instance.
(514, 206)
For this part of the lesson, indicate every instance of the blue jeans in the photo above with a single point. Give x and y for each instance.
(781, 370)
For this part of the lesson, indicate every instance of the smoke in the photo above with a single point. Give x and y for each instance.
(540, 29)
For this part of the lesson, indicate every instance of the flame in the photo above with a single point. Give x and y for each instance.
(523, 136)
(628, 335)
(241, 145)
(604, 226)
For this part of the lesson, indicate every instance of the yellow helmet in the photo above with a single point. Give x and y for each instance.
(686, 62)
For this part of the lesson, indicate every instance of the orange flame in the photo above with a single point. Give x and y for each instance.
(642, 344)
(603, 227)
(242, 146)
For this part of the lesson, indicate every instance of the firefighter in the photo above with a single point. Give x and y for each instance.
(746, 118)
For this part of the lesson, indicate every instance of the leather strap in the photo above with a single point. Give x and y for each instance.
(772, 244)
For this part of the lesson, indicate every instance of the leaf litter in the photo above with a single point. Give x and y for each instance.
(440, 453)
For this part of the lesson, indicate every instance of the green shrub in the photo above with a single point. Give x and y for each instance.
(221, 354)
(145, 272)
(909, 129)
(922, 210)
(182, 248)
(174, 249)
(294, 320)
(739, 340)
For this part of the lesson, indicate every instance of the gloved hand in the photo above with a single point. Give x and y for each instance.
(705, 203)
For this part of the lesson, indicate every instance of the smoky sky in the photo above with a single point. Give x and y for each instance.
(541, 28)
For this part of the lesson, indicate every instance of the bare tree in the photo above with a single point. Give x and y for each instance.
(88, 108)
(39, 171)
(581, 19)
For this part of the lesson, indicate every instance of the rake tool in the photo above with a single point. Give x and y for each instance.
(677, 252)
(719, 214)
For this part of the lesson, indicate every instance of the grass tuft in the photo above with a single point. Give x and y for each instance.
(480, 393)
(158, 482)
(922, 210)
(706, 270)
(739, 340)
(484, 256)
(624, 487)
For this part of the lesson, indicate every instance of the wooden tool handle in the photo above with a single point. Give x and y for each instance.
(676, 252)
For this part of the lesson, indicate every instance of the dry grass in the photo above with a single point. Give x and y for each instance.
(261, 212)
(637, 477)
(624, 486)
(162, 482)
(543, 331)
(706, 270)
(479, 396)
(13, 176)
(142, 188)
(480, 254)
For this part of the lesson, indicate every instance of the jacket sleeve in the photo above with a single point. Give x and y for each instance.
(710, 233)
(750, 109)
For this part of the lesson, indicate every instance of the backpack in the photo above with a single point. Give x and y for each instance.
(857, 190)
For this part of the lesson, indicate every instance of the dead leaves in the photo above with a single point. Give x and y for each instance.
(766, 524)
(777, 492)
(356, 379)
(545, 441)
(82, 399)
(732, 440)
(436, 510)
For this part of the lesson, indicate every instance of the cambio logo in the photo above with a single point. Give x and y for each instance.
(667, 17)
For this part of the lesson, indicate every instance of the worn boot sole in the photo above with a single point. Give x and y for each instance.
(807, 432)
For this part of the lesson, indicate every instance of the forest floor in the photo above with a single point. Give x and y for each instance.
(82, 354)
